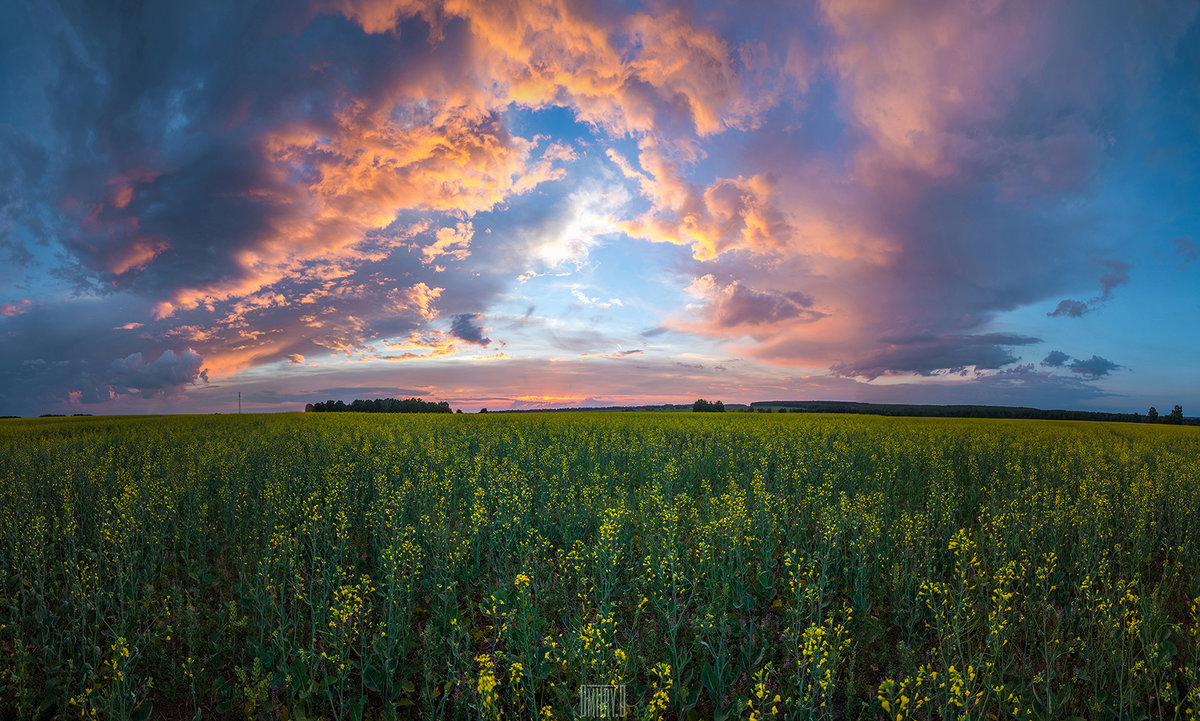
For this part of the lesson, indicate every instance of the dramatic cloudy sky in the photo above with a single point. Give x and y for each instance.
(516, 203)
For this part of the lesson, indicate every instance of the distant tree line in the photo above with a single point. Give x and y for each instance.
(968, 411)
(1174, 418)
(379, 405)
(703, 406)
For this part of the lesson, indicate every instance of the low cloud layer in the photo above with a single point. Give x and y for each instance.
(937, 355)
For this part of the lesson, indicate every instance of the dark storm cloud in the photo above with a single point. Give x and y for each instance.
(23, 164)
(163, 376)
(937, 354)
(1055, 359)
(61, 352)
(1094, 367)
(968, 178)
(181, 173)
(161, 117)
(1020, 385)
(469, 327)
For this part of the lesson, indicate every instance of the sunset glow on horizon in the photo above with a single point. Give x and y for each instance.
(546, 203)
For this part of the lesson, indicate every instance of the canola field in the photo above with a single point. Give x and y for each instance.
(735, 566)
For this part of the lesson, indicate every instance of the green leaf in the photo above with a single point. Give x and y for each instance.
(1168, 650)
(141, 713)
(373, 679)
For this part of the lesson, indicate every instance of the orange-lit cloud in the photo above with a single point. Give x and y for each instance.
(418, 299)
(421, 345)
(618, 72)
(730, 214)
(435, 141)
(123, 196)
(454, 242)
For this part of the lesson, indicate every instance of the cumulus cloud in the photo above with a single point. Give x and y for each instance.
(166, 375)
(421, 344)
(729, 214)
(598, 302)
(453, 242)
(736, 306)
(1094, 367)
(259, 210)
(1055, 359)
(468, 327)
(949, 203)
(628, 73)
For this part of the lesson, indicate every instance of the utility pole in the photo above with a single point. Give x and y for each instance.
(239, 403)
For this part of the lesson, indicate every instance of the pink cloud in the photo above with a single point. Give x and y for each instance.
(134, 256)
(18, 308)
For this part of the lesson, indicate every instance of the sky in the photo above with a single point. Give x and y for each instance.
(549, 203)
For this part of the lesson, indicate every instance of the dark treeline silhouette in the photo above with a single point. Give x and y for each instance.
(703, 406)
(379, 405)
(890, 409)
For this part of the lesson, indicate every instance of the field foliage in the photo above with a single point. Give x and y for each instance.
(484, 566)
